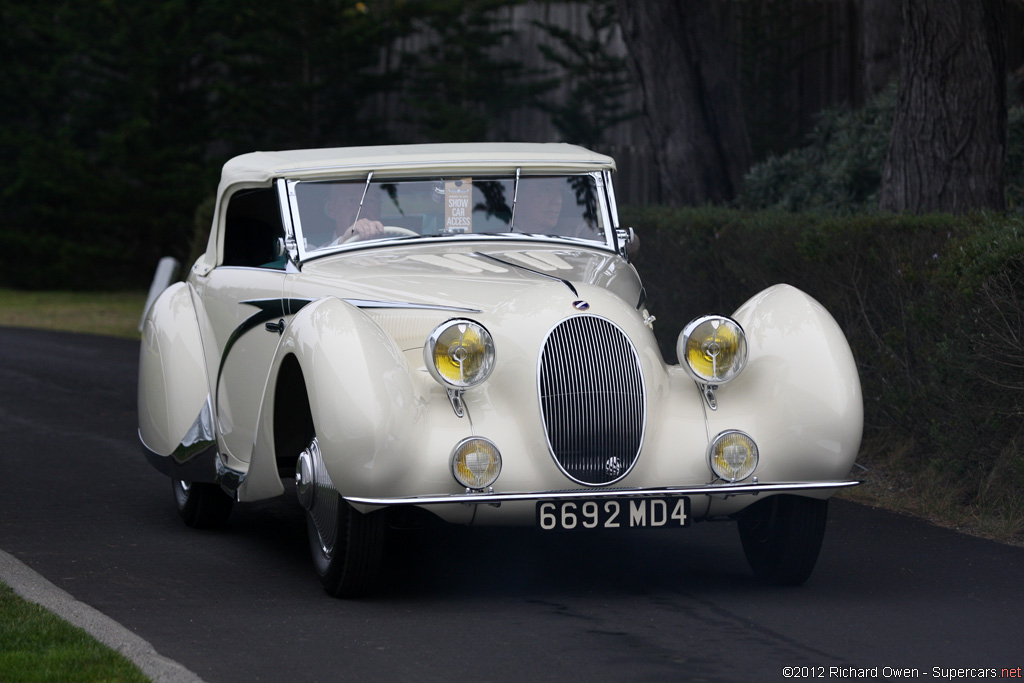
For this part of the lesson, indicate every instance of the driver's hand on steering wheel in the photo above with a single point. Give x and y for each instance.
(361, 229)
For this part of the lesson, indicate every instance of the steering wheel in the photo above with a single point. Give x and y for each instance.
(392, 230)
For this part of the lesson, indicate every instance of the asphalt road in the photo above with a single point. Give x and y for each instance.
(80, 506)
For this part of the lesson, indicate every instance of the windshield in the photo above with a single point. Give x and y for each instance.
(333, 213)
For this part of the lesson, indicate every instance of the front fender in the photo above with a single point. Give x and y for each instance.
(173, 388)
(360, 394)
(799, 396)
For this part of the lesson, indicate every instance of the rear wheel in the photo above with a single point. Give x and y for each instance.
(347, 546)
(202, 506)
(782, 536)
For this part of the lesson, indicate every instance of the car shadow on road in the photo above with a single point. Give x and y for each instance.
(437, 560)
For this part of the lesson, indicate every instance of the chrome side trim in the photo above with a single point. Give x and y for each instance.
(725, 490)
(371, 303)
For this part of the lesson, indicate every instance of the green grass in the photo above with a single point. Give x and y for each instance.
(37, 646)
(110, 313)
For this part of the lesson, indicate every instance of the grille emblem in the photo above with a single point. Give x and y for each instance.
(580, 305)
(613, 467)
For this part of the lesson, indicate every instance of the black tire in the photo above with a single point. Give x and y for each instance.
(202, 506)
(782, 536)
(352, 566)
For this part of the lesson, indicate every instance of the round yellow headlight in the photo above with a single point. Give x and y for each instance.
(459, 354)
(476, 463)
(713, 349)
(732, 456)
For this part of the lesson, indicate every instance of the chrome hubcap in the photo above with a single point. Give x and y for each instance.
(318, 495)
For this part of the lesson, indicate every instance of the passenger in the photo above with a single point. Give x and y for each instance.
(541, 208)
(539, 205)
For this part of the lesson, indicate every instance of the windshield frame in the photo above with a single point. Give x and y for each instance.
(299, 252)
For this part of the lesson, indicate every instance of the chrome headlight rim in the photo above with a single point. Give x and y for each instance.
(737, 366)
(462, 448)
(754, 456)
(486, 366)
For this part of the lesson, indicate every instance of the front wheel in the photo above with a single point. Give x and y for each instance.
(782, 536)
(350, 564)
(202, 506)
(347, 546)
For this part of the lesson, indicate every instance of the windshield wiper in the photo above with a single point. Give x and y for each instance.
(515, 195)
(362, 198)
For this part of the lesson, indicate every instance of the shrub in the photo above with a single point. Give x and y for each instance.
(839, 170)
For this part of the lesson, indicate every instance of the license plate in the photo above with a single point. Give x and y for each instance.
(613, 513)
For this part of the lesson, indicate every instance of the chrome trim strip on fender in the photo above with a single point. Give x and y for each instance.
(371, 303)
(724, 490)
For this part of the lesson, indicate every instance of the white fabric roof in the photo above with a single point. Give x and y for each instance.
(489, 157)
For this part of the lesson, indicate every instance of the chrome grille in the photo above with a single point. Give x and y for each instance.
(592, 399)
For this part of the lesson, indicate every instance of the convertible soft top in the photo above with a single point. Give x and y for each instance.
(262, 167)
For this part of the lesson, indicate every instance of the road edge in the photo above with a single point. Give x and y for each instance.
(35, 588)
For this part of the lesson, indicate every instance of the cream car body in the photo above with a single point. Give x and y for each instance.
(280, 363)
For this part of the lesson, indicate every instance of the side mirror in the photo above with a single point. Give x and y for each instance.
(628, 242)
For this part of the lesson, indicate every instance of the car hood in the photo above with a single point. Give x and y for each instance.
(465, 276)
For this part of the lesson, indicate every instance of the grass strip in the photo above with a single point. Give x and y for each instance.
(35, 645)
(108, 313)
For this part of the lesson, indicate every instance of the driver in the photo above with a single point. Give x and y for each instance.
(350, 221)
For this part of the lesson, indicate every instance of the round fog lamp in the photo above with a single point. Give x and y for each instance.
(732, 456)
(459, 354)
(713, 349)
(476, 463)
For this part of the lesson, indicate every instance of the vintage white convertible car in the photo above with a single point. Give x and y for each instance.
(458, 329)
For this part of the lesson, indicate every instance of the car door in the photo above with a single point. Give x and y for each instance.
(242, 315)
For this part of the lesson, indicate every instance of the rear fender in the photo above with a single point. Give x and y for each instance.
(173, 390)
(360, 394)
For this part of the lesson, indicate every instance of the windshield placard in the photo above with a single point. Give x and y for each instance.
(458, 198)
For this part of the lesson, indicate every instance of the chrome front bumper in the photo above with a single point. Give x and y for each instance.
(718, 490)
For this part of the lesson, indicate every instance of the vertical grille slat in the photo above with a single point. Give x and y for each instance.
(592, 399)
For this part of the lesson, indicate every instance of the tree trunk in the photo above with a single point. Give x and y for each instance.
(948, 144)
(686, 70)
